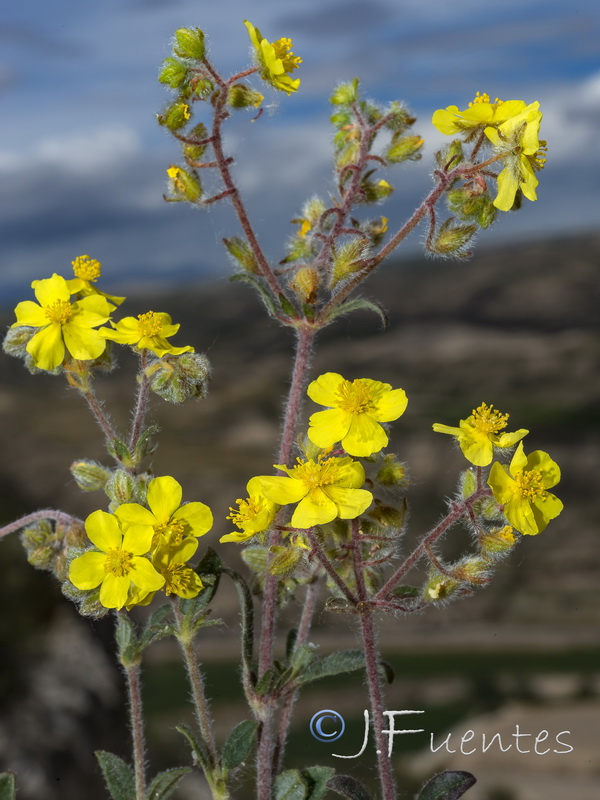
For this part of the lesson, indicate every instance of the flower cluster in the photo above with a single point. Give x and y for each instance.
(512, 128)
(139, 550)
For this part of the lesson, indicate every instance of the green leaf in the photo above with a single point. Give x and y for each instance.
(197, 747)
(449, 785)
(8, 786)
(333, 664)
(256, 284)
(118, 775)
(165, 783)
(360, 304)
(290, 785)
(348, 787)
(316, 779)
(157, 626)
(406, 592)
(286, 306)
(266, 682)
(120, 451)
(238, 745)
(127, 641)
(339, 605)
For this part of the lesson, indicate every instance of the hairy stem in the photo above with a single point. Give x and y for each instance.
(47, 513)
(141, 403)
(99, 415)
(386, 776)
(132, 672)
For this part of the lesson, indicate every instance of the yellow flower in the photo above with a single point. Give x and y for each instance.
(180, 579)
(355, 410)
(118, 561)
(254, 515)
(166, 517)
(480, 433)
(480, 112)
(87, 271)
(522, 490)
(276, 60)
(63, 325)
(148, 331)
(324, 489)
(517, 138)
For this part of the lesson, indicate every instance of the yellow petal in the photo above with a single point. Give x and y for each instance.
(390, 405)
(87, 571)
(315, 509)
(324, 389)
(114, 590)
(350, 503)
(103, 530)
(47, 347)
(51, 289)
(164, 497)
(83, 344)
(282, 490)
(198, 517)
(30, 313)
(328, 427)
(144, 575)
(364, 437)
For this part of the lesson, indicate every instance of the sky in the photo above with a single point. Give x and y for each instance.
(82, 159)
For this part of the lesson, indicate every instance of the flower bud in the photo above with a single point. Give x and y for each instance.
(392, 472)
(42, 557)
(176, 116)
(185, 184)
(90, 476)
(202, 87)
(400, 117)
(348, 259)
(468, 484)
(284, 559)
(16, 341)
(498, 542)
(345, 94)
(439, 587)
(189, 43)
(176, 378)
(242, 254)
(37, 534)
(388, 516)
(305, 284)
(241, 96)
(472, 570)
(374, 192)
(404, 148)
(90, 605)
(120, 488)
(173, 73)
(451, 156)
(452, 239)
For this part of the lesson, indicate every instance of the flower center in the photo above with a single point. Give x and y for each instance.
(173, 530)
(247, 510)
(149, 324)
(538, 159)
(316, 474)
(355, 397)
(530, 484)
(86, 268)
(59, 311)
(118, 562)
(179, 579)
(480, 98)
(283, 51)
(487, 420)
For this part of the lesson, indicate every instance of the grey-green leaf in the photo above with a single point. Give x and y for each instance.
(333, 664)
(348, 787)
(238, 745)
(449, 785)
(8, 786)
(316, 778)
(164, 783)
(118, 775)
(360, 304)
(290, 785)
(256, 284)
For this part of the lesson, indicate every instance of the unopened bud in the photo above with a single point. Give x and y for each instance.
(42, 557)
(284, 559)
(241, 96)
(120, 488)
(348, 259)
(400, 117)
(472, 570)
(176, 378)
(90, 605)
(439, 587)
(173, 73)
(38, 534)
(451, 156)
(345, 93)
(468, 484)
(392, 472)
(375, 191)
(90, 475)
(388, 516)
(306, 284)
(176, 116)
(16, 341)
(185, 184)
(189, 43)
(404, 148)
(452, 239)
(498, 542)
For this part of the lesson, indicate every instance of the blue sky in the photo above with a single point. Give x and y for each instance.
(82, 161)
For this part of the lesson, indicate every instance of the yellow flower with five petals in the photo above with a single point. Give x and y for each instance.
(117, 563)
(355, 410)
(64, 326)
(276, 60)
(254, 515)
(324, 489)
(522, 488)
(480, 433)
(148, 331)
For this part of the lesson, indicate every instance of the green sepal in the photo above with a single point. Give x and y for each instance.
(449, 785)
(256, 557)
(267, 681)
(348, 787)
(157, 627)
(119, 450)
(144, 445)
(359, 304)
(256, 284)
(286, 306)
(242, 253)
(283, 559)
(165, 783)
(332, 664)
(197, 746)
(189, 43)
(128, 644)
(239, 744)
(406, 592)
(468, 484)
(290, 785)
(8, 786)
(118, 775)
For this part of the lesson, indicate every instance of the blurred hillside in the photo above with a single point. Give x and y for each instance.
(517, 327)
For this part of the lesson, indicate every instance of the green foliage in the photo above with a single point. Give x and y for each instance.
(348, 787)
(118, 775)
(8, 786)
(333, 664)
(449, 785)
(239, 744)
(165, 783)
(290, 785)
